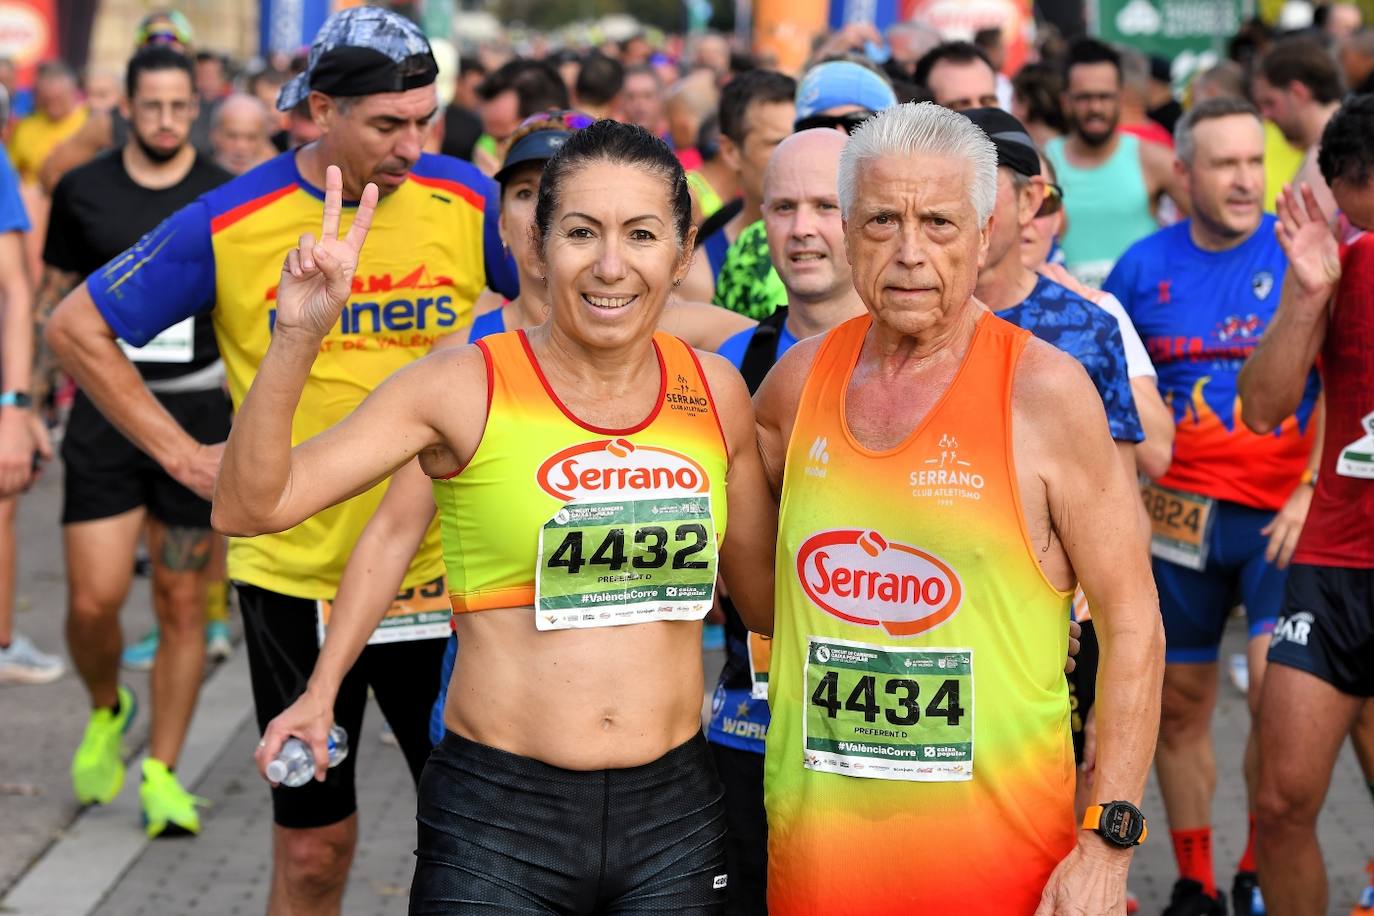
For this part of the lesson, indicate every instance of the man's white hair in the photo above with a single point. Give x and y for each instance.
(924, 129)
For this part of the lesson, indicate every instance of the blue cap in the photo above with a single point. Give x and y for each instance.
(540, 146)
(363, 50)
(842, 82)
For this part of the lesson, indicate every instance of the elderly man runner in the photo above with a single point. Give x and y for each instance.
(926, 549)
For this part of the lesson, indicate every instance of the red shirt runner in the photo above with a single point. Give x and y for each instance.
(1339, 530)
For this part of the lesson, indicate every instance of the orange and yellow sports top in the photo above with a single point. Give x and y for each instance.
(919, 757)
(586, 516)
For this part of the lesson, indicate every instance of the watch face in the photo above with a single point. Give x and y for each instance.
(1122, 824)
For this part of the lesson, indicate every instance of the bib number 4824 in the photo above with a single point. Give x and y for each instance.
(900, 704)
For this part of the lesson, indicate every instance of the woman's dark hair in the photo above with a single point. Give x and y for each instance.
(618, 144)
(1039, 87)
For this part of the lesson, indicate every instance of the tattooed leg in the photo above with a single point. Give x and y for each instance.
(181, 556)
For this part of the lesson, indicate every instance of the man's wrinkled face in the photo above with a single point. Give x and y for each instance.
(914, 240)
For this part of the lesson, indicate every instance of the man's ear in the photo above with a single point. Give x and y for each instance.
(1029, 200)
(729, 153)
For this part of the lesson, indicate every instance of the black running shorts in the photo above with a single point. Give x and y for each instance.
(281, 634)
(107, 475)
(746, 845)
(501, 833)
(1326, 627)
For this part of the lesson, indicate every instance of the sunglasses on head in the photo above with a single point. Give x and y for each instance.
(845, 122)
(576, 120)
(1053, 202)
(161, 38)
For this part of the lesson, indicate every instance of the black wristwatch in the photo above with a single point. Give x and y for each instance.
(1118, 822)
(16, 399)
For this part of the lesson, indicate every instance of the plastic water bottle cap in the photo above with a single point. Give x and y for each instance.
(276, 770)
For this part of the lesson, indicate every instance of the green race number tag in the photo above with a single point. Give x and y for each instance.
(606, 564)
(1357, 458)
(882, 712)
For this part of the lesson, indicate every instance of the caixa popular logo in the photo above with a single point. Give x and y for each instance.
(618, 466)
(861, 577)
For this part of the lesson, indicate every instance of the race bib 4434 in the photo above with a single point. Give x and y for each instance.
(883, 712)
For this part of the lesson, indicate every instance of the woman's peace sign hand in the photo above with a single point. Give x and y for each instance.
(317, 278)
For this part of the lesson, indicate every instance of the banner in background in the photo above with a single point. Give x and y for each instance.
(878, 13)
(1190, 33)
(28, 34)
(289, 25)
(958, 20)
(783, 30)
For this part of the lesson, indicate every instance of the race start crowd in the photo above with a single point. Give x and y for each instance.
(992, 380)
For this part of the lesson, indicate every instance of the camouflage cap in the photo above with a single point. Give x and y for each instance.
(363, 50)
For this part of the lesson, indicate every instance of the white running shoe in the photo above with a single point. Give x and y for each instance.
(1240, 672)
(22, 663)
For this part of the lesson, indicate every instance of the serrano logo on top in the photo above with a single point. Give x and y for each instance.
(861, 577)
(381, 303)
(618, 466)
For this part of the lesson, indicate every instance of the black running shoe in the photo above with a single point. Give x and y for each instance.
(1245, 895)
(1189, 899)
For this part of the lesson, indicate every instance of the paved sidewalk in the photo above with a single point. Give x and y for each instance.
(226, 869)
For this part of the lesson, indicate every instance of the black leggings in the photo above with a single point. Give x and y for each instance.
(501, 833)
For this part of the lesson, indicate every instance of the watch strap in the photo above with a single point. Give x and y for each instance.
(15, 398)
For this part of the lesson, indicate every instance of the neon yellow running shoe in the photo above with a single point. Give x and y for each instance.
(98, 766)
(168, 809)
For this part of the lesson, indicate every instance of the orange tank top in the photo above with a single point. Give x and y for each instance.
(918, 758)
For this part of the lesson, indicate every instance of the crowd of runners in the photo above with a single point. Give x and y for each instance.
(969, 406)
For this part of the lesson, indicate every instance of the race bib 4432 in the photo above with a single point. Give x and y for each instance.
(615, 562)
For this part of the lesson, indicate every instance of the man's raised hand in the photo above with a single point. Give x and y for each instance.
(317, 278)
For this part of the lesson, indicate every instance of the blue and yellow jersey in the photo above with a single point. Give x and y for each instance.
(432, 248)
(1201, 314)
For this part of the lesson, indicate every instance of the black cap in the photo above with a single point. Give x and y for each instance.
(1015, 148)
(363, 50)
(539, 146)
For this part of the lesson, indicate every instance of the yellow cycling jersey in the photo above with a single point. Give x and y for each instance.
(431, 250)
(591, 526)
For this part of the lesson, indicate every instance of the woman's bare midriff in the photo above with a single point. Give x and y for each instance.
(591, 699)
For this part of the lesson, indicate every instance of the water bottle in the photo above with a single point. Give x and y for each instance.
(294, 765)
